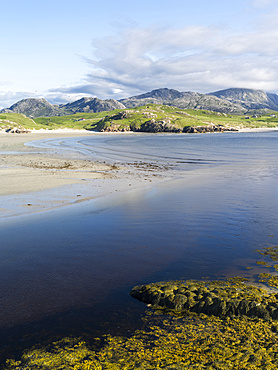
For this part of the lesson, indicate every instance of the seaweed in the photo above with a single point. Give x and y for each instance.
(231, 297)
(269, 278)
(179, 341)
(192, 342)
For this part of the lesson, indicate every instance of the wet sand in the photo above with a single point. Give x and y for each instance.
(35, 179)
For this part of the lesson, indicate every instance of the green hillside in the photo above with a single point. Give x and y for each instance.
(136, 119)
(8, 120)
(77, 121)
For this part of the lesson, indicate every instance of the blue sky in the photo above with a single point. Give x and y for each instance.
(63, 50)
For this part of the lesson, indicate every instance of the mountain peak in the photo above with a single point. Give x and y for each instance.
(249, 98)
(163, 93)
(92, 105)
(183, 100)
(33, 107)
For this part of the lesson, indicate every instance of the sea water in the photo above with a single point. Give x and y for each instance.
(69, 271)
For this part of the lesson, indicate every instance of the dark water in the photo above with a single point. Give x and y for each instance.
(69, 271)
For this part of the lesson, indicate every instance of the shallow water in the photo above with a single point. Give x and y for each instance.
(69, 271)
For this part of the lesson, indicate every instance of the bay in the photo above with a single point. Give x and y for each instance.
(69, 271)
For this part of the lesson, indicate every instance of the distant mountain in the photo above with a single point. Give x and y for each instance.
(33, 108)
(92, 105)
(42, 108)
(162, 94)
(248, 98)
(232, 100)
(183, 100)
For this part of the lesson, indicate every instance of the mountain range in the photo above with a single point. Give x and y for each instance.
(233, 100)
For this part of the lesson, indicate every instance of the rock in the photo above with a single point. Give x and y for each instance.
(115, 128)
(159, 126)
(121, 115)
(204, 129)
(226, 300)
(16, 130)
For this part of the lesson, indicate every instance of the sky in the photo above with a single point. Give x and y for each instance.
(63, 50)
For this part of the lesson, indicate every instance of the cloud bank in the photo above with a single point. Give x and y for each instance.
(202, 59)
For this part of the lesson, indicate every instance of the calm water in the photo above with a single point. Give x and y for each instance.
(69, 271)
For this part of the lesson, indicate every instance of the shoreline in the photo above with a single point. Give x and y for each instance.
(38, 179)
(259, 129)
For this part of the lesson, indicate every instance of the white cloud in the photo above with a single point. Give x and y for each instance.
(192, 58)
(202, 59)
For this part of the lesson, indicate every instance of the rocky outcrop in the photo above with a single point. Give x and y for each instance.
(222, 299)
(159, 126)
(115, 128)
(114, 122)
(205, 129)
(17, 130)
(111, 124)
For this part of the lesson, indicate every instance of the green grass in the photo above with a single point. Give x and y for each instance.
(16, 120)
(75, 121)
(138, 116)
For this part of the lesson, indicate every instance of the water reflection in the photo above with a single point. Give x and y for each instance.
(74, 266)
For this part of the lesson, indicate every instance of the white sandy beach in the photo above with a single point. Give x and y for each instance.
(259, 129)
(23, 171)
(33, 180)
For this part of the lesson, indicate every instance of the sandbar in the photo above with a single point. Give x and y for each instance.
(33, 180)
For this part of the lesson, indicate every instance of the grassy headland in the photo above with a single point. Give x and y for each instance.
(166, 118)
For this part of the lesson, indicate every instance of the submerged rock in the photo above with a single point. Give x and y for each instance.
(222, 299)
